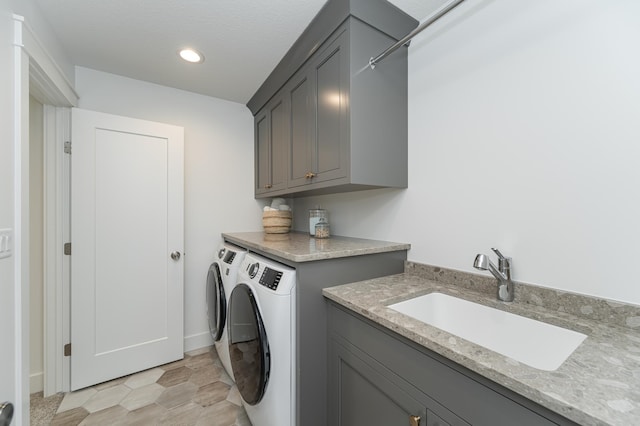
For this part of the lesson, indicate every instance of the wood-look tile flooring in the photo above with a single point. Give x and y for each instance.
(193, 391)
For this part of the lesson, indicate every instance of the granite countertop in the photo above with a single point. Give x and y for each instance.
(598, 384)
(300, 247)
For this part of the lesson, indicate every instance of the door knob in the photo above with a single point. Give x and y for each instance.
(175, 255)
(6, 413)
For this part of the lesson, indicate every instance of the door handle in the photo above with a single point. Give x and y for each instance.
(175, 256)
(414, 420)
(6, 413)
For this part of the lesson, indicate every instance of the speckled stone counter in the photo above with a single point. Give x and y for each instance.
(300, 247)
(598, 384)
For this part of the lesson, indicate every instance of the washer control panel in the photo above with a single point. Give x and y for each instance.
(270, 278)
(267, 276)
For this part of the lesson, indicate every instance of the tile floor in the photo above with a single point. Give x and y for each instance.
(193, 391)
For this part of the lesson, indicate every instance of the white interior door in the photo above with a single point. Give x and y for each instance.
(126, 220)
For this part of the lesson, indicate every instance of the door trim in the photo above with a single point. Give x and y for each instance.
(48, 84)
(32, 66)
(57, 127)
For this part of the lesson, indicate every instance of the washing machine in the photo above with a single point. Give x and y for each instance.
(221, 279)
(262, 330)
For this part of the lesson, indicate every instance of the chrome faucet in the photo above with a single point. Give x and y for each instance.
(502, 273)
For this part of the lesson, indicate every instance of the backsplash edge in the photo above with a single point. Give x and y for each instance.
(582, 306)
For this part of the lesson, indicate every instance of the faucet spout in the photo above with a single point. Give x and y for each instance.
(502, 273)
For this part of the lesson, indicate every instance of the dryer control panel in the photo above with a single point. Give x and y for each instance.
(229, 257)
(270, 278)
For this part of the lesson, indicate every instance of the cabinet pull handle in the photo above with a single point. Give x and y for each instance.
(310, 175)
(414, 420)
(268, 186)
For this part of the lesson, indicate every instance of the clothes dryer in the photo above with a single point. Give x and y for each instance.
(262, 333)
(221, 279)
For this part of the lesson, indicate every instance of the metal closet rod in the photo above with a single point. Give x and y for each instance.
(439, 13)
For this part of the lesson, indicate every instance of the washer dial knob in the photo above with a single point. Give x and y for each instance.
(253, 269)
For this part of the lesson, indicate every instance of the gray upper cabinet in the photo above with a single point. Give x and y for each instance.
(346, 124)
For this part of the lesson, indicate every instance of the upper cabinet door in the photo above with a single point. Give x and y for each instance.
(331, 99)
(319, 99)
(299, 96)
(271, 131)
(279, 132)
(263, 153)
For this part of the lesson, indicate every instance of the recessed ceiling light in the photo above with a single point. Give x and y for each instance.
(191, 55)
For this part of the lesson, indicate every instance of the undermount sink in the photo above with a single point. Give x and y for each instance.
(534, 343)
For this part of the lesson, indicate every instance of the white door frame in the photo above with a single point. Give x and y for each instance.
(57, 129)
(35, 72)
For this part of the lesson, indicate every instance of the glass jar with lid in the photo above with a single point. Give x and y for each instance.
(314, 217)
(322, 228)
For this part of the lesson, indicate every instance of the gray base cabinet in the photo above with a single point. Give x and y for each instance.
(311, 320)
(377, 377)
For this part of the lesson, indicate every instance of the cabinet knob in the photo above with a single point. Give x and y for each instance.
(310, 175)
(268, 186)
(414, 420)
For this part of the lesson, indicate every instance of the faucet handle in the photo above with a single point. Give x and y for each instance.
(496, 251)
(504, 263)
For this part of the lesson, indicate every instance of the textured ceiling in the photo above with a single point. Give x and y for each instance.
(242, 40)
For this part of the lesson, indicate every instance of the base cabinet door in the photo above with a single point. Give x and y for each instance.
(367, 394)
(366, 398)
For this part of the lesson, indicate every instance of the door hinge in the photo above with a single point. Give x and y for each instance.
(67, 249)
(67, 147)
(67, 349)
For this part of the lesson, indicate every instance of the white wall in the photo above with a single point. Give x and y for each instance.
(218, 169)
(36, 245)
(524, 131)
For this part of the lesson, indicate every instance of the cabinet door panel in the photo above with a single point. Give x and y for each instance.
(329, 105)
(434, 419)
(331, 76)
(366, 398)
(263, 154)
(279, 128)
(301, 119)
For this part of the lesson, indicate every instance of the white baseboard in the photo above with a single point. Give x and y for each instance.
(36, 383)
(197, 341)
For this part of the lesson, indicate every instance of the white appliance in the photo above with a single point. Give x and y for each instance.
(262, 330)
(221, 279)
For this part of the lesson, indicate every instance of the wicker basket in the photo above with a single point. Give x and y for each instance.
(276, 221)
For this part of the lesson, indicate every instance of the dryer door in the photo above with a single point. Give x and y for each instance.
(216, 302)
(248, 345)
